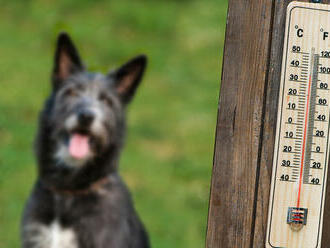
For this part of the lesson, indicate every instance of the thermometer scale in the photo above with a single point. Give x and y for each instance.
(301, 154)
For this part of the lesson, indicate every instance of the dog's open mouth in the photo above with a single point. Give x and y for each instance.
(79, 145)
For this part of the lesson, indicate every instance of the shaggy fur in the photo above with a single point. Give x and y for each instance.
(83, 203)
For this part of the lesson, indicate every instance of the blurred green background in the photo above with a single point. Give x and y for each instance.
(167, 160)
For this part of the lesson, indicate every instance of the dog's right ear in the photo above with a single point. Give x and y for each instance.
(67, 60)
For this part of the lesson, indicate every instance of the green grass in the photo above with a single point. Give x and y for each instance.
(167, 160)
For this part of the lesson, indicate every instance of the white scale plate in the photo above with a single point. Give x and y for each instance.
(302, 136)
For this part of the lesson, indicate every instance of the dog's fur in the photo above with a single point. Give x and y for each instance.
(83, 203)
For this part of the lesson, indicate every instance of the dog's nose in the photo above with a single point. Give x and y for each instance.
(85, 117)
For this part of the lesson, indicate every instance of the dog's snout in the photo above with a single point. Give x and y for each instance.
(85, 117)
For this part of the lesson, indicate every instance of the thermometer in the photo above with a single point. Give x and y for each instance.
(301, 151)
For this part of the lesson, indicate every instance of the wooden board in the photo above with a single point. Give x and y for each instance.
(301, 146)
(235, 170)
(246, 125)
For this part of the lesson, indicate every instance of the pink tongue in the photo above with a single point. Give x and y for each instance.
(79, 146)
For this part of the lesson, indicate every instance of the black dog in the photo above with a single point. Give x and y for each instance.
(79, 200)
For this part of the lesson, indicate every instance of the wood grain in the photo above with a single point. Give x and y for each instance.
(269, 125)
(268, 139)
(246, 55)
(299, 190)
(246, 126)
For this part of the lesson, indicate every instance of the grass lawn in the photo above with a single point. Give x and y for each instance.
(167, 160)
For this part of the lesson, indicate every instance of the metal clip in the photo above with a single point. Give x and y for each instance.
(297, 218)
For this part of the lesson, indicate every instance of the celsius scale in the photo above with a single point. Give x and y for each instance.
(301, 154)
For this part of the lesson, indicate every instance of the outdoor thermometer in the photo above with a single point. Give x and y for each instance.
(302, 146)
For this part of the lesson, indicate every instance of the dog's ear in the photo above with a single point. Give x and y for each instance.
(67, 60)
(128, 77)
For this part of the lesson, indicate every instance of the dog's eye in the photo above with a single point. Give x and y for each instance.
(104, 98)
(70, 93)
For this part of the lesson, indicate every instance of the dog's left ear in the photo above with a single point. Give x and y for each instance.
(67, 60)
(128, 77)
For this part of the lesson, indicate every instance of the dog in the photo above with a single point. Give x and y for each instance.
(79, 200)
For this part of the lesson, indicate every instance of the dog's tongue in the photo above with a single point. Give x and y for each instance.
(79, 146)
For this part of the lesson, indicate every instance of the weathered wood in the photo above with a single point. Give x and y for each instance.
(231, 215)
(246, 126)
(270, 117)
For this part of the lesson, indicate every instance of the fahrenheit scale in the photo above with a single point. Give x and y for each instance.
(302, 144)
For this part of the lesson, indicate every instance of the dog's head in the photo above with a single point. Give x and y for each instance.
(86, 110)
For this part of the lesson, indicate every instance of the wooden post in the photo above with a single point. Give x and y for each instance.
(246, 126)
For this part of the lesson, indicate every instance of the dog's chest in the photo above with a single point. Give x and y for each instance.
(54, 236)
